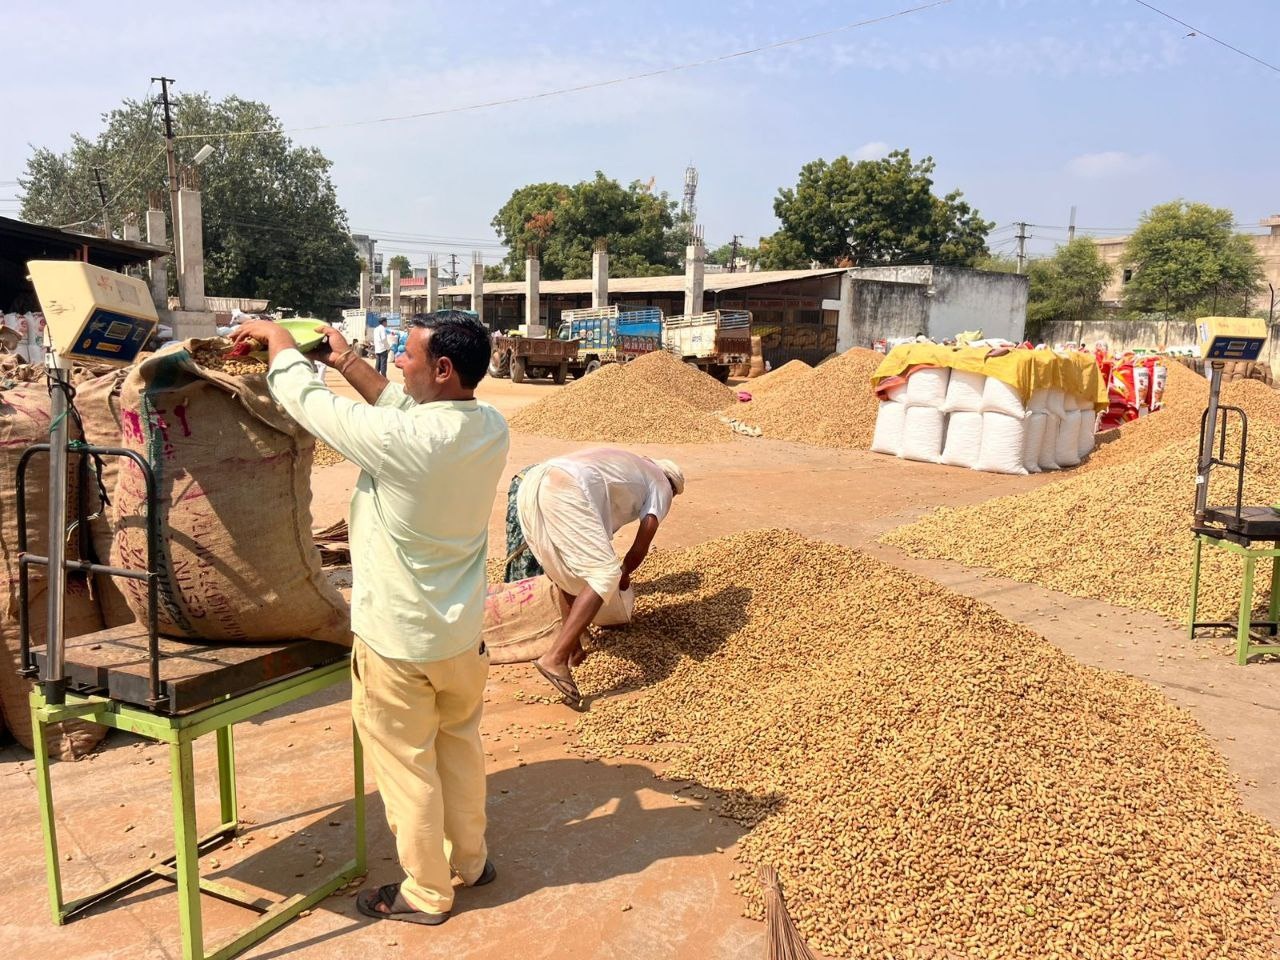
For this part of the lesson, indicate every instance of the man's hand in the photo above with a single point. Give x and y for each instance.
(625, 582)
(334, 346)
(264, 332)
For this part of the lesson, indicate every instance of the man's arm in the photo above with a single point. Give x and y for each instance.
(337, 353)
(639, 549)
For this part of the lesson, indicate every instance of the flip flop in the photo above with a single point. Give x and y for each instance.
(565, 687)
(398, 908)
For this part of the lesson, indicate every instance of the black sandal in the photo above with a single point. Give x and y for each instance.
(398, 908)
(564, 686)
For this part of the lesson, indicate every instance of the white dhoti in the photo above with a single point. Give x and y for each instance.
(569, 538)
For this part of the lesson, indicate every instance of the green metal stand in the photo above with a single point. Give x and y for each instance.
(1244, 623)
(180, 732)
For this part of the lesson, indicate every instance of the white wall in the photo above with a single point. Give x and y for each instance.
(995, 303)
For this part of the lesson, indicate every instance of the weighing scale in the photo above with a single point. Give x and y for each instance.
(169, 690)
(1235, 527)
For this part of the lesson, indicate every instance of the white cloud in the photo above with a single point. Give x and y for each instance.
(1109, 163)
(875, 150)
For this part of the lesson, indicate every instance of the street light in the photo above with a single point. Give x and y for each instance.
(202, 154)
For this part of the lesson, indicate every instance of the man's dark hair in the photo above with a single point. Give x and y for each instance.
(462, 338)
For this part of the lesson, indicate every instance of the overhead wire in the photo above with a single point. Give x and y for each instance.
(1208, 36)
(577, 88)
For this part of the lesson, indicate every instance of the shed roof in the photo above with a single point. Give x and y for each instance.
(20, 240)
(712, 283)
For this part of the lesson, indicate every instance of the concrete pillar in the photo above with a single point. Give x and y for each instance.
(130, 229)
(844, 321)
(395, 291)
(190, 250)
(532, 298)
(477, 287)
(694, 255)
(160, 265)
(366, 292)
(433, 289)
(599, 279)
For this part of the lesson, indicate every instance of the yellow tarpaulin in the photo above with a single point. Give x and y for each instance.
(1025, 370)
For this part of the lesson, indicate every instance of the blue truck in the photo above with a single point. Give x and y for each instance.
(610, 335)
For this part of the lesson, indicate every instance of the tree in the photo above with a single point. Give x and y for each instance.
(400, 262)
(723, 255)
(875, 211)
(273, 228)
(565, 222)
(1068, 285)
(782, 251)
(1186, 258)
(996, 263)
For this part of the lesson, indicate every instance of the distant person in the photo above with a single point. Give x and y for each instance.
(566, 511)
(381, 346)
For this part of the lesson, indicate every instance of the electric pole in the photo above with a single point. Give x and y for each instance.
(102, 195)
(453, 269)
(1071, 225)
(733, 253)
(173, 169)
(1022, 245)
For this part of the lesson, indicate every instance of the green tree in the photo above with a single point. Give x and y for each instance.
(1068, 285)
(876, 211)
(1186, 259)
(723, 254)
(565, 222)
(996, 263)
(273, 228)
(781, 251)
(400, 262)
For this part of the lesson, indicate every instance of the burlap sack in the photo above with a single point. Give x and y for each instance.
(98, 401)
(24, 420)
(233, 473)
(521, 619)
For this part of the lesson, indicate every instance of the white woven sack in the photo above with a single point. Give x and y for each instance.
(1088, 425)
(964, 392)
(964, 438)
(897, 393)
(1071, 402)
(1039, 402)
(1032, 441)
(1002, 439)
(922, 434)
(1049, 445)
(1056, 402)
(888, 433)
(1067, 451)
(999, 397)
(928, 387)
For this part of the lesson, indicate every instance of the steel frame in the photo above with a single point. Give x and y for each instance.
(182, 867)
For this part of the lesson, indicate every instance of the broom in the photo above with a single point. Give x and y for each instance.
(785, 942)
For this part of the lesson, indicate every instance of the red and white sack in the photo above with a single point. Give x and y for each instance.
(963, 445)
(1002, 441)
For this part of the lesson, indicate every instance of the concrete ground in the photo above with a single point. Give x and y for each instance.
(595, 859)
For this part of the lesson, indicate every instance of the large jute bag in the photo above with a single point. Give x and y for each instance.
(233, 475)
(521, 619)
(24, 420)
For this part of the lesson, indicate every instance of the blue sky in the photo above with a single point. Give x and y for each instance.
(1028, 106)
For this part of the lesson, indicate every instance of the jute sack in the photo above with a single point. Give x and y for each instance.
(521, 619)
(233, 476)
(98, 401)
(24, 420)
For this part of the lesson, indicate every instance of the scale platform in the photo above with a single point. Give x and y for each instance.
(114, 663)
(1254, 523)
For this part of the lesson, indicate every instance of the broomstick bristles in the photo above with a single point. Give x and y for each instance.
(785, 942)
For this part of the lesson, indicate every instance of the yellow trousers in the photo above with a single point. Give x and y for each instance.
(420, 723)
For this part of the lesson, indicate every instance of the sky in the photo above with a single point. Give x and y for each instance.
(1028, 106)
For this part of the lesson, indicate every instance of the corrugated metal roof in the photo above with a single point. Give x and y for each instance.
(713, 283)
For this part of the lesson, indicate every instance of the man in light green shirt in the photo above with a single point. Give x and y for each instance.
(430, 456)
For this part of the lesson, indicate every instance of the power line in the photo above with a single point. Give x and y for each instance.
(578, 88)
(122, 191)
(1208, 36)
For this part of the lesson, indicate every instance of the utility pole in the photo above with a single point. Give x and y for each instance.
(102, 195)
(733, 253)
(453, 269)
(1022, 245)
(1071, 225)
(173, 170)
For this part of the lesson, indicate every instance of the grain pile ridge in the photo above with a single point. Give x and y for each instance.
(930, 779)
(831, 407)
(681, 381)
(1118, 533)
(629, 403)
(789, 372)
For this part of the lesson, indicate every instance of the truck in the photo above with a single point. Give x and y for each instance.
(521, 357)
(610, 335)
(713, 341)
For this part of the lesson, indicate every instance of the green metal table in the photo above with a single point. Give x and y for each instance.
(1244, 623)
(180, 732)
